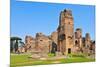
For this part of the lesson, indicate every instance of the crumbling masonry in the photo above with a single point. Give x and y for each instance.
(64, 41)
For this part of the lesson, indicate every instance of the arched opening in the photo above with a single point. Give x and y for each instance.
(76, 43)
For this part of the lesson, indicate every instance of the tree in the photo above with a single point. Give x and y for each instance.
(16, 46)
(16, 43)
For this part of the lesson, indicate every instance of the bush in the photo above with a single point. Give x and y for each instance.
(78, 55)
(51, 55)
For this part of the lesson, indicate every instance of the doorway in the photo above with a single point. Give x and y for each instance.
(69, 50)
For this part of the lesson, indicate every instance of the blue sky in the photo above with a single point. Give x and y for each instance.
(28, 18)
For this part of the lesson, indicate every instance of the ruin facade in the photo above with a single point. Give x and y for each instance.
(65, 32)
(64, 40)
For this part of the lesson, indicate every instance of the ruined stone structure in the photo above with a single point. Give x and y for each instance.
(29, 43)
(78, 41)
(92, 47)
(87, 40)
(78, 38)
(88, 43)
(63, 41)
(42, 42)
(83, 44)
(65, 32)
(53, 42)
(54, 37)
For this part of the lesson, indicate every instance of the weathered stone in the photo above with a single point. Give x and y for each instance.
(64, 41)
(78, 37)
(54, 37)
(42, 42)
(65, 32)
(29, 43)
(78, 41)
(87, 40)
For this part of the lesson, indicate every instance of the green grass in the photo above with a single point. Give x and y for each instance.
(51, 55)
(23, 60)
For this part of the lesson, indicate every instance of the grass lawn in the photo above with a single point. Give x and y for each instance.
(23, 60)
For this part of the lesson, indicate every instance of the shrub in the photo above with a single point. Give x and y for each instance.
(51, 55)
(78, 55)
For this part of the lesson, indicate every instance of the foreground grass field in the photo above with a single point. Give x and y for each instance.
(23, 60)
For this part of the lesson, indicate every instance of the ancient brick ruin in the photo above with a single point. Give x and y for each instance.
(63, 41)
(65, 32)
